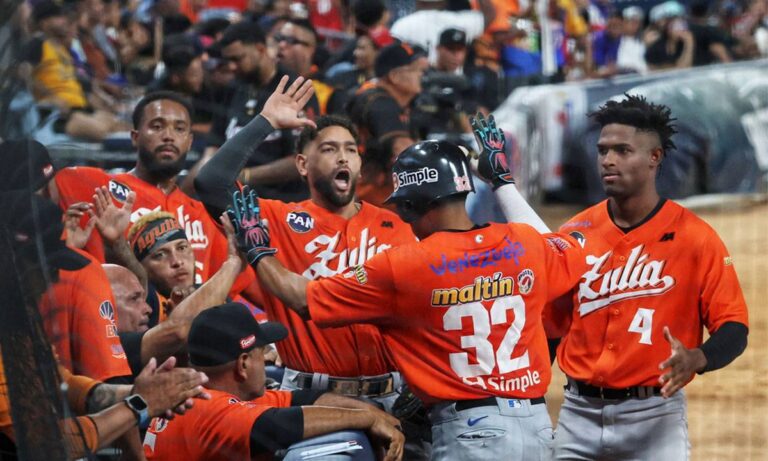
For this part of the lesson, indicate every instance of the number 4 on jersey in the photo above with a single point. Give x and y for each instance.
(642, 324)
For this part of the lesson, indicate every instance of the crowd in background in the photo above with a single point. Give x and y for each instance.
(88, 61)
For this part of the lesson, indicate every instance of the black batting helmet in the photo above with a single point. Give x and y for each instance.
(425, 172)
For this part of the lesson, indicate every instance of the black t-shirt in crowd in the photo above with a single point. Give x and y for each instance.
(705, 36)
(657, 54)
(245, 102)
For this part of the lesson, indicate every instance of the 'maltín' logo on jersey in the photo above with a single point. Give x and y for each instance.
(482, 289)
(640, 277)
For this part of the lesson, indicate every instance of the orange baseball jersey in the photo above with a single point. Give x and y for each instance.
(216, 429)
(672, 270)
(80, 319)
(76, 184)
(460, 311)
(316, 243)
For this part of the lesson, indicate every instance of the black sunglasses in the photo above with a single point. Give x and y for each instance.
(290, 40)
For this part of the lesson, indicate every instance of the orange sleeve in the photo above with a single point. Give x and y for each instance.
(565, 261)
(78, 389)
(721, 297)
(80, 436)
(362, 294)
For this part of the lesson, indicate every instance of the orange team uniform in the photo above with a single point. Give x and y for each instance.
(76, 184)
(80, 320)
(316, 243)
(461, 312)
(216, 429)
(672, 270)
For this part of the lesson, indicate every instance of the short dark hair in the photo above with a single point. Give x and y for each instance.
(138, 111)
(309, 134)
(368, 12)
(636, 111)
(306, 25)
(244, 31)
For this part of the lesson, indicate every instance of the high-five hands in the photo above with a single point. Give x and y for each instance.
(251, 233)
(492, 164)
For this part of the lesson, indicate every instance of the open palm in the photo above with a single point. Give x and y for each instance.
(284, 107)
(111, 220)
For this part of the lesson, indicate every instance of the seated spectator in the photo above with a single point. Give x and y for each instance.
(243, 420)
(54, 80)
(605, 46)
(631, 54)
(670, 45)
(710, 41)
(364, 55)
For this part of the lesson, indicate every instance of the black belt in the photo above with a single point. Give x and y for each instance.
(635, 392)
(370, 387)
(489, 402)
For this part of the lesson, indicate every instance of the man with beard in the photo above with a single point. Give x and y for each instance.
(318, 238)
(162, 134)
(271, 169)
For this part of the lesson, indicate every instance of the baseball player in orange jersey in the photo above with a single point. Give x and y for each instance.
(460, 310)
(162, 136)
(656, 275)
(317, 238)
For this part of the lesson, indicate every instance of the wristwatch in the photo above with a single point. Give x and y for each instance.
(139, 407)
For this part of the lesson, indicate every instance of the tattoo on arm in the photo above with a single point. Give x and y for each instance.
(106, 395)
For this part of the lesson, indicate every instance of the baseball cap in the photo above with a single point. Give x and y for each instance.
(46, 9)
(36, 218)
(393, 56)
(26, 165)
(670, 9)
(220, 334)
(633, 12)
(452, 38)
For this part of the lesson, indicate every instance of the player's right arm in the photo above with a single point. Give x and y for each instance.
(216, 181)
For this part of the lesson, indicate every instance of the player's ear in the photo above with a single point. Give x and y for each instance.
(657, 155)
(301, 164)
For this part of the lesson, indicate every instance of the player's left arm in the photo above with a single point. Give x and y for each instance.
(724, 313)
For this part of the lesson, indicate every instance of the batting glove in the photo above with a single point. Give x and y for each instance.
(251, 233)
(492, 163)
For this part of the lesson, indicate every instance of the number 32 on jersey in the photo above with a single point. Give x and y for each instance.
(482, 320)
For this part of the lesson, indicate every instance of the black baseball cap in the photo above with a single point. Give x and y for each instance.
(46, 9)
(393, 56)
(26, 165)
(32, 218)
(220, 334)
(453, 37)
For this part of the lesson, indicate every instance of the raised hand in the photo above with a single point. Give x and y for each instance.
(680, 366)
(492, 163)
(77, 236)
(167, 389)
(111, 220)
(251, 233)
(284, 107)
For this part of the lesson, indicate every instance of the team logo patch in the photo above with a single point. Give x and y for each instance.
(557, 244)
(117, 351)
(300, 221)
(159, 425)
(118, 190)
(525, 281)
(107, 311)
(579, 237)
(514, 403)
(462, 183)
(247, 342)
(727, 261)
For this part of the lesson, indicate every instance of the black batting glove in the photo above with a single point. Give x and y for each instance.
(251, 233)
(492, 163)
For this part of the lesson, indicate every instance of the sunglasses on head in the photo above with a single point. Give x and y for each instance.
(291, 40)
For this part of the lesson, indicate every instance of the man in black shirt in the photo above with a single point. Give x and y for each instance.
(272, 168)
(710, 41)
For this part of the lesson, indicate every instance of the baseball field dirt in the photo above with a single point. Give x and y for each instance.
(728, 408)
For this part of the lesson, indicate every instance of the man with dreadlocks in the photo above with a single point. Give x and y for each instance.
(656, 275)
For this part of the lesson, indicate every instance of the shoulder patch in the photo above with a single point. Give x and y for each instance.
(107, 311)
(118, 191)
(525, 281)
(300, 221)
(579, 237)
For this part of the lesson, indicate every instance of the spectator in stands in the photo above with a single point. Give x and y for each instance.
(364, 57)
(381, 111)
(423, 27)
(54, 80)
(296, 48)
(372, 19)
(245, 421)
(670, 45)
(631, 54)
(133, 48)
(605, 46)
(711, 44)
(244, 47)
